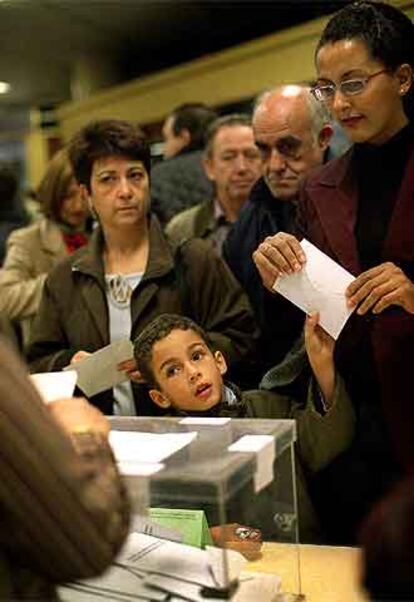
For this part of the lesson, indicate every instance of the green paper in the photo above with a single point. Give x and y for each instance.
(192, 524)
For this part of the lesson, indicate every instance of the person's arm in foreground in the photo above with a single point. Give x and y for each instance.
(66, 508)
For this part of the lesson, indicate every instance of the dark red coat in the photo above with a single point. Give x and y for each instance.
(327, 217)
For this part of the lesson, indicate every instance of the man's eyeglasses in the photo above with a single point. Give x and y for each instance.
(348, 87)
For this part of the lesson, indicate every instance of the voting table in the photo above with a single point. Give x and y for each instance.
(327, 573)
(218, 484)
(202, 490)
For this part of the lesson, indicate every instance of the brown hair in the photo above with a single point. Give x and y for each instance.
(156, 331)
(100, 139)
(54, 185)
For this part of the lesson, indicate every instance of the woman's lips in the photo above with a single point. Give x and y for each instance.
(351, 121)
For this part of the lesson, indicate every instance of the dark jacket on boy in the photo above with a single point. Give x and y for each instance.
(322, 434)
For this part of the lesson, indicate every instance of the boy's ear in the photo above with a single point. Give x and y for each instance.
(159, 399)
(221, 362)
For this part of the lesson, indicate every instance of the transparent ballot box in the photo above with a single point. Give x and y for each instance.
(215, 490)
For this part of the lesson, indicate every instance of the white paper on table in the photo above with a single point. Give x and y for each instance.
(148, 448)
(264, 448)
(146, 525)
(138, 469)
(225, 570)
(206, 421)
(54, 385)
(319, 286)
(98, 372)
(168, 558)
(181, 590)
(252, 586)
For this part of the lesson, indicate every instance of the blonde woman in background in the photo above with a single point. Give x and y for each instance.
(34, 250)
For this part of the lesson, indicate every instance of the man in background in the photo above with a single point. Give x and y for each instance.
(179, 181)
(292, 132)
(233, 164)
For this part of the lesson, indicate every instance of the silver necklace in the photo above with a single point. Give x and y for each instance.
(119, 289)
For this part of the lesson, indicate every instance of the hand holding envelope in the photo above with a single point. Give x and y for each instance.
(103, 369)
(73, 414)
(320, 286)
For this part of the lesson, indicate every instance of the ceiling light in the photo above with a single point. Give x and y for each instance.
(4, 87)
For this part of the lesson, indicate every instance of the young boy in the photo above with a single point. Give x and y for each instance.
(185, 377)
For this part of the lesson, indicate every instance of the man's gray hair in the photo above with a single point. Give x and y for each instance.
(318, 113)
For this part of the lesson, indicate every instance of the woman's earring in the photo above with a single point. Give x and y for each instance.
(92, 211)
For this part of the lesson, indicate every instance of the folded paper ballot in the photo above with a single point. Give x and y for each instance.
(99, 371)
(147, 448)
(205, 420)
(264, 448)
(141, 523)
(54, 385)
(152, 569)
(319, 286)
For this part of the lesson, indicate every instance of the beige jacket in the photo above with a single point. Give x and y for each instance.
(31, 253)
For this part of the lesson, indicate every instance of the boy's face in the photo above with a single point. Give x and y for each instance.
(188, 374)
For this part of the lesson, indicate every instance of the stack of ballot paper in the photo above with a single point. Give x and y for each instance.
(154, 569)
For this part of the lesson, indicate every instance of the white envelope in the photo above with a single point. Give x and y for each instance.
(54, 385)
(264, 448)
(319, 286)
(150, 448)
(98, 372)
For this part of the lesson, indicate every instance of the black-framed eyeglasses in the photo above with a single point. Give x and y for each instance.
(348, 87)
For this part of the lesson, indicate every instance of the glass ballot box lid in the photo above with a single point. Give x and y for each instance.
(206, 494)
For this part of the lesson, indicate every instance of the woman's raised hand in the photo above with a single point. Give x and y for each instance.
(276, 255)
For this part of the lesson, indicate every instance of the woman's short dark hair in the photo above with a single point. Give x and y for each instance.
(101, 139)
(387, 32)
(54, 185)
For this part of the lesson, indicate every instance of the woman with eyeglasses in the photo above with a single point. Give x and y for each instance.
(128, 273)
(359, 209)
